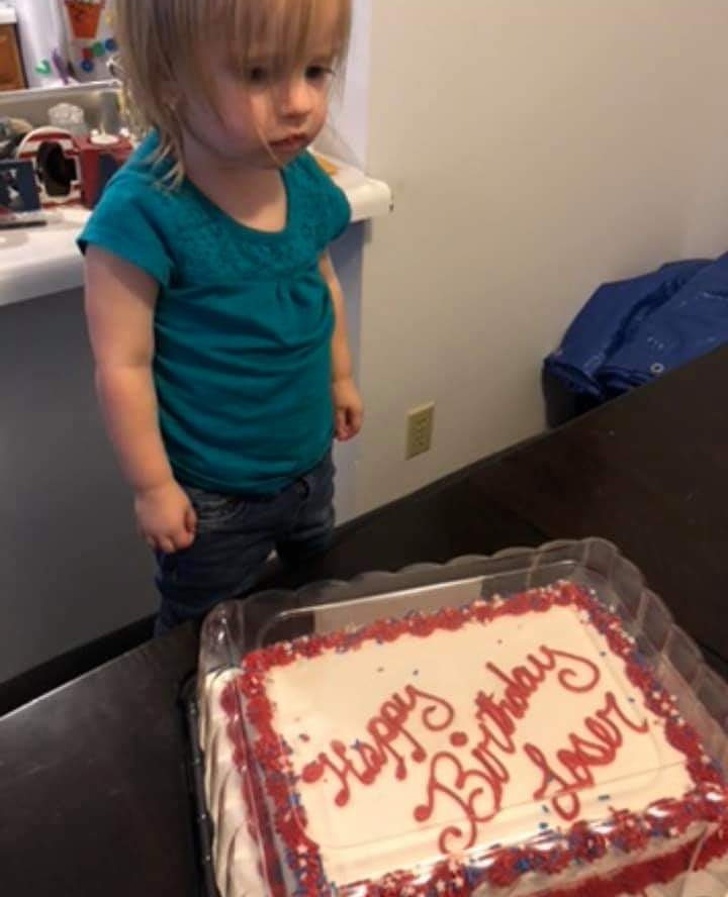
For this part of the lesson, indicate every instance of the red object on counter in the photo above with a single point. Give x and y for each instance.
(98, 161)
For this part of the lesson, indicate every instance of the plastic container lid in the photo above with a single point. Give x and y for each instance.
(624, 676)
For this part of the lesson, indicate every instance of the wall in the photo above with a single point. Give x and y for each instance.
(349, 112)
(535, 149)
(71, 565)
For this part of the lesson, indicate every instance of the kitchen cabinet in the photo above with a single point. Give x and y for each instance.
(12, 76)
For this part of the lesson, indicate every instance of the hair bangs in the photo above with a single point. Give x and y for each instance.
(286, 34)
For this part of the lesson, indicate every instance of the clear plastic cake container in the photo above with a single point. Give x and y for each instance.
(240, 851)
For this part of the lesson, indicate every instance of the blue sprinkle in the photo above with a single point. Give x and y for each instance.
(604, 797)
(543, 826)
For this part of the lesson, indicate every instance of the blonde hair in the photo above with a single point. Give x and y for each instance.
(161, 51)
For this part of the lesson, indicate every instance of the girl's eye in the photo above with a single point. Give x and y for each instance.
(318, 73)
(257, 75)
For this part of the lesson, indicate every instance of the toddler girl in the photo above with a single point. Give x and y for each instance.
(215, 316)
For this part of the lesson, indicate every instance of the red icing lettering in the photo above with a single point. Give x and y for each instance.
(473, 796)
(495, 769)
(364, 760)
(582, 754)
(522, 682)
(479, 804)
(569, 677)
(471, 791)
(491, 712)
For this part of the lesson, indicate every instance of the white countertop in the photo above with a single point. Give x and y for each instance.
(8, 16)
(37, 261)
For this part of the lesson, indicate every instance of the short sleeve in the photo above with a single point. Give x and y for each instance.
(123, 224)
(335, 205)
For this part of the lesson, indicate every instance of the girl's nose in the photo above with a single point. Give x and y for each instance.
(296, 96)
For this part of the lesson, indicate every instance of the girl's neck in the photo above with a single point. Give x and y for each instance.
(252, 196)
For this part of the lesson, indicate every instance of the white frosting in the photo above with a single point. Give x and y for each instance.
(235, 850)
(336, 696)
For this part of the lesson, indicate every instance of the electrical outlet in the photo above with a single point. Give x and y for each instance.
(420, 422)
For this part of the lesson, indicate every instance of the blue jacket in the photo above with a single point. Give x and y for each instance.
(634, 330)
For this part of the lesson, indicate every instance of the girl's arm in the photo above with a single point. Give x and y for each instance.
(120, 301)
(347, 401)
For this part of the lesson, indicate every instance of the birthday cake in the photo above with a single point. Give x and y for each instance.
(512, 746)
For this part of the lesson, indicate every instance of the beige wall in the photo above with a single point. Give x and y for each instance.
(536, 148)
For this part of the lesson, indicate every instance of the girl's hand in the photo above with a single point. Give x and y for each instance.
(165, 517)
(348, 408)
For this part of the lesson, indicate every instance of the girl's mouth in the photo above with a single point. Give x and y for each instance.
(294, 143)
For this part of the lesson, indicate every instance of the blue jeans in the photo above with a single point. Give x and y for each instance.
(235, 536)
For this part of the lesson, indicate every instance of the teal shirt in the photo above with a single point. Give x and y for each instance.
(242, 325)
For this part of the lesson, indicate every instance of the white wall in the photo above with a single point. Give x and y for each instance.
(535, 149)
(349, 116)
(72, 567)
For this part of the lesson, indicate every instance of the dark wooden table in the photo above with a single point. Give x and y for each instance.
(93, 789)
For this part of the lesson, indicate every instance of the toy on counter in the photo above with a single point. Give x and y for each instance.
(12, 131)
(100, 156)
(55, 68)
(325, 163)
(19, 196)
(84, 17)
(72, 168)
(53, 155)
(69, 118)
(91, 37)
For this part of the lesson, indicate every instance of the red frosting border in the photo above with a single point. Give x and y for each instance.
(550, 854)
